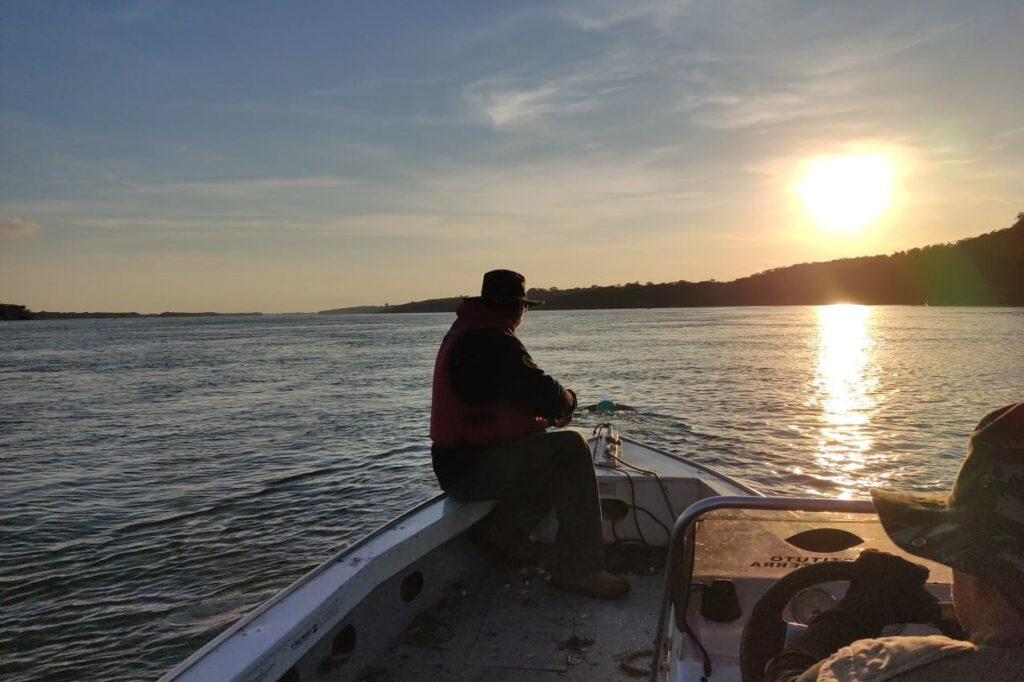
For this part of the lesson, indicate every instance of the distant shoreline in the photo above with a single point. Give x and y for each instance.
(17, 312)
(46, 315)
(976, 271)
(694, 306)
(132, 316)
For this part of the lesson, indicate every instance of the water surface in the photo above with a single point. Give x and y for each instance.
(160, 477)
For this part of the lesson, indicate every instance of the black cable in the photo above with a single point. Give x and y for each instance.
(632, 488)
(705, 656)
(661, 484)
(664, 495)
(593, 452)
(636, 519)
(632, 491)
(668, 532)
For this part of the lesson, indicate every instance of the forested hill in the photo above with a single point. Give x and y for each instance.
(983, 270)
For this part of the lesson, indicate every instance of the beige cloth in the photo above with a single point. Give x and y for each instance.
(922, 659)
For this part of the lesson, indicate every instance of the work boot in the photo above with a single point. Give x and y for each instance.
(595, 582)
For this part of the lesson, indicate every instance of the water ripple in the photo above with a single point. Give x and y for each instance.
(162, 477)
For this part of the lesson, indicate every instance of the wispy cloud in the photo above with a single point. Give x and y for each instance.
(256, 187)
(12, 229)
(1009, 134)
(548, 200)
(207, 226)
(505, 104)
(729, 110)
(736, 65)
(606, 14)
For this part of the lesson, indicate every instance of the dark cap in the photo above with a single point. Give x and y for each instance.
(979, 527)
(505, 286)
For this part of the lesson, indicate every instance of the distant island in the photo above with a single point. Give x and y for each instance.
(983, 270)
(357, 310)
(10, 311)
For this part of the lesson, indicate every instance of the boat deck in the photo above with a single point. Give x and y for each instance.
(505, 624)
(347, 619)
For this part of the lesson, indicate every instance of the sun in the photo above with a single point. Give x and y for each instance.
(846, 193)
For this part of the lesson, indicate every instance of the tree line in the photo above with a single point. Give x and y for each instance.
(983, 270)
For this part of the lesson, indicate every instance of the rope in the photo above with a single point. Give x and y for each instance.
(626, 663)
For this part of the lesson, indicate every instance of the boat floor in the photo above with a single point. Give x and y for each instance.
(506, 624)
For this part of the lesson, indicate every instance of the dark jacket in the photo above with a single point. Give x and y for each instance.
(487, 390)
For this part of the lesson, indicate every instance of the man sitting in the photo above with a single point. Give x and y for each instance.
(490, 408)
(978, 531)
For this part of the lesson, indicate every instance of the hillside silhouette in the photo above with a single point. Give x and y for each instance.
(983, 270)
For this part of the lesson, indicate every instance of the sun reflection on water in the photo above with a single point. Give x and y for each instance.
(844, 390)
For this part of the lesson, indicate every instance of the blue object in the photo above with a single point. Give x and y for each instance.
(605, 406)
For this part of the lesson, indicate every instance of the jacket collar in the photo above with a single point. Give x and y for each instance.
(477, 314)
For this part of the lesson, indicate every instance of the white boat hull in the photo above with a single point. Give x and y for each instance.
(334, 622)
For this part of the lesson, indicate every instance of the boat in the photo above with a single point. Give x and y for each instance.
(721, 575)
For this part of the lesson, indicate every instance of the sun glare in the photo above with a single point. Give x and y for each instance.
(846, 193)
(845, 389)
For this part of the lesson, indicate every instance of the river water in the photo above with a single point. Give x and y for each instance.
(160, 477)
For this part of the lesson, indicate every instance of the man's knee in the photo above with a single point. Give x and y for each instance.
(571, 448)
(570, 440)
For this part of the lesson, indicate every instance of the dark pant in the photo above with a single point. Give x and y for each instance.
(530, 476)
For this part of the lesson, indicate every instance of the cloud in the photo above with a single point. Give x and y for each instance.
(736, 65)
(506, 105)
(17, 228)
(606, 14)
(555, 198)
(209, 225)
(724, 111)
(258, 187)
(1009, 134)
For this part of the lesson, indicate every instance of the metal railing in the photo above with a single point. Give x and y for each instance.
(679, 572)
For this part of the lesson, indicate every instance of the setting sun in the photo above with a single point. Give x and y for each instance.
(845, 193)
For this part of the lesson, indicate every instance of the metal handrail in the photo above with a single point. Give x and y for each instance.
(680, 534)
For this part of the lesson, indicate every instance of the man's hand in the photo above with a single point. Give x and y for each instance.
(564, 421)
(888, 589)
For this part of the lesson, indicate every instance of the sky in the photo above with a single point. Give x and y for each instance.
(293, 157)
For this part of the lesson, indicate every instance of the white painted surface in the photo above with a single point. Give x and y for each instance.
(264, 645)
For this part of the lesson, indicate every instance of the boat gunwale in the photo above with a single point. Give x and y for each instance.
(300, 582)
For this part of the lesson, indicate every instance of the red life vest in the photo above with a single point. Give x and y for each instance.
(453, 422)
